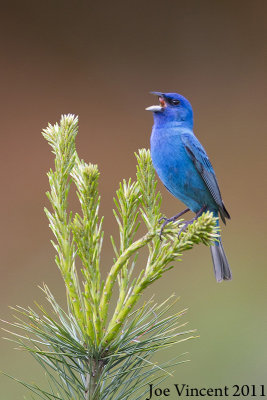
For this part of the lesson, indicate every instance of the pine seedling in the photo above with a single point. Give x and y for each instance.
(92, 351)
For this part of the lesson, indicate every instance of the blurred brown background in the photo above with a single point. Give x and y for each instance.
(99, 60)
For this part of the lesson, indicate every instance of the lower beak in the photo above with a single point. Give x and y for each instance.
(154, 108)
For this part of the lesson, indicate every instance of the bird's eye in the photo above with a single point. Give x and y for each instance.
(175, 102)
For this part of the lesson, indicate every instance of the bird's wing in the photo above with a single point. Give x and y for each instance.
(202, 163)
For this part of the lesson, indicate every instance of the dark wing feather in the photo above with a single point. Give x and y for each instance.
(200, 159)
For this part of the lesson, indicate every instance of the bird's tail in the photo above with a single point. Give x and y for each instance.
(220, 264)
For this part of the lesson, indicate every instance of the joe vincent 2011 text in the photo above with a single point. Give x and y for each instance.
(184, 390)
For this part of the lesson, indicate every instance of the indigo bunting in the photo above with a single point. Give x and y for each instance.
(185, 169)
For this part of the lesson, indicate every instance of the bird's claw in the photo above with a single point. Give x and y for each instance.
(172, 219)
(166, 221)
(163, 219)
(184, 227)
(187, 223)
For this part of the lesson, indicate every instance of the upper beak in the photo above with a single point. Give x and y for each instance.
(160, 107)
(157, 93)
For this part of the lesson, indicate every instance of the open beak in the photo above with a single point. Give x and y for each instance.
(162, 103)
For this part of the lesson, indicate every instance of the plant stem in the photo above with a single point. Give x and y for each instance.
(107, 291)
(92, 391)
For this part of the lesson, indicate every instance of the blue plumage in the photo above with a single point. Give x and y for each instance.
(184, 167)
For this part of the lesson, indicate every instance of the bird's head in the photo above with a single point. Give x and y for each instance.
(173, 108)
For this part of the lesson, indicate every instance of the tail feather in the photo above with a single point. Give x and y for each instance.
(220, 264)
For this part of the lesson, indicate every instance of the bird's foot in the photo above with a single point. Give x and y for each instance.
(172, 219)
(187, 223)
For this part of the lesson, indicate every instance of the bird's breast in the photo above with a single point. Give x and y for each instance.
(176, 170)
(168, 154)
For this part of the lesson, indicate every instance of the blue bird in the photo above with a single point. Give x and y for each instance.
(185, 169)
